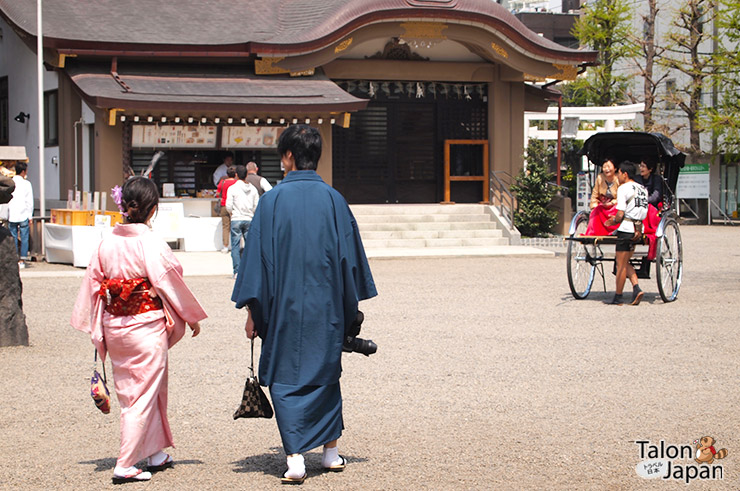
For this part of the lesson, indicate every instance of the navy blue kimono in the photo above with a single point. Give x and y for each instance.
(302, 274)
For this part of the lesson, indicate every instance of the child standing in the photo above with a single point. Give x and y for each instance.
(134, 303)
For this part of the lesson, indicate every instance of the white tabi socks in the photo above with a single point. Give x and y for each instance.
(296, 467)
(331, 457)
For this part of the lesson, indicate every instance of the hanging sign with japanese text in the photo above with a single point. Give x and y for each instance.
(693, 182)
(250, 136)
(181, 136)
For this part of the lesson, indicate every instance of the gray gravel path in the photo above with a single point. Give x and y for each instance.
(489, 375)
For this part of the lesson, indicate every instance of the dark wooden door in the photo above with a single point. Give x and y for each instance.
(387, 155)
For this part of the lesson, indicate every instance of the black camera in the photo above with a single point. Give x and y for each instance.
(358, 345)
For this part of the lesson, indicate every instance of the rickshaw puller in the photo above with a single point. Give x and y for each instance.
(632, 206)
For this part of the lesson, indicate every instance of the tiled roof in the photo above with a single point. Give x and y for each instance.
(253, 26)
(164, 87)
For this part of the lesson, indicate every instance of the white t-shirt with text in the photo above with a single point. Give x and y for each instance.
(632, 199)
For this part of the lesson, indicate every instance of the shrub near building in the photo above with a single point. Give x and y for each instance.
(534, 193)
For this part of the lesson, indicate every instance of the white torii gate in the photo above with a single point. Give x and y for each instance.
(572, 117)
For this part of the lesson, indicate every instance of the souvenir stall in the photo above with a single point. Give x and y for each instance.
(182, 158)
(73, 233)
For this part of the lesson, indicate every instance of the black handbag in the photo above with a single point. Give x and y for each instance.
(254, 401)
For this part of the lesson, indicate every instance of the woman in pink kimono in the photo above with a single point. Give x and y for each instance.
(134, 303)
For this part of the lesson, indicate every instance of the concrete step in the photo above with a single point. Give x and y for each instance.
(400, 226)
(417, 218)
(423, 226)
(416, 209)
(431, 234)
(422, 243)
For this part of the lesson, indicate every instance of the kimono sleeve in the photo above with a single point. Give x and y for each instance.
(356, 275)
(84, 308)
(87, 313)
(253, 286)
(165, 273)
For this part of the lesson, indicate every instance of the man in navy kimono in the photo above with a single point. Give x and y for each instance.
(302, 274)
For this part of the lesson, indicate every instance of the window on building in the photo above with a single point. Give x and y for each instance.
(51, 123)
(670, 93)
(4, 115)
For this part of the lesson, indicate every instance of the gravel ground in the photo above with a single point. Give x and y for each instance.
(488, 375)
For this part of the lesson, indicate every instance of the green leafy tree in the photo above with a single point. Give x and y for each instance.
(687, 51)
(649, 50)
(605, 27)
(724, 119)
(534, 192)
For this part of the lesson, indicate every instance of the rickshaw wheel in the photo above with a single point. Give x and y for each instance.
(669, 261)
(581, 267)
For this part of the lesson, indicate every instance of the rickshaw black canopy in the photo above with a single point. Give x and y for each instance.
(636, 146)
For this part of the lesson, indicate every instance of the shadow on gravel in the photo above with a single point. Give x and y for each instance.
(601, 297)
(102, 465)
(273, 463)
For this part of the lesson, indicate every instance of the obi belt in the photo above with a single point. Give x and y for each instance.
(128, 297)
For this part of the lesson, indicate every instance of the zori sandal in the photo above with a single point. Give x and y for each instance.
(139, 475)
(337, 467)
(293, 480)
(166, 464)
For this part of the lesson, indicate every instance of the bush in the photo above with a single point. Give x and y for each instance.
(534, 194)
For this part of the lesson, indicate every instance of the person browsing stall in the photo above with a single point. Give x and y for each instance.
(20, 211)
(632, 208)
(302, 277)
(221, 190)
(241, 202)
(256, 180)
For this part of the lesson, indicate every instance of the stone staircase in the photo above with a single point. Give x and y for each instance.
(427, 226)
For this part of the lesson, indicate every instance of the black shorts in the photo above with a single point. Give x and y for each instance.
(624, 241)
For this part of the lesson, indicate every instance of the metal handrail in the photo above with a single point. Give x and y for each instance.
(501, 197)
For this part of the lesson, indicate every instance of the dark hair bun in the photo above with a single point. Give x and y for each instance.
(140, 196)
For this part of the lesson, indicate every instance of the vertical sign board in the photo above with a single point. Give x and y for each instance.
(693, 182)
(583, 192)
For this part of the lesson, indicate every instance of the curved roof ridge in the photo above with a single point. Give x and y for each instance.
(266, 26)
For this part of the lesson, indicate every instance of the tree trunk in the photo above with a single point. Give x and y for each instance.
(648, 80)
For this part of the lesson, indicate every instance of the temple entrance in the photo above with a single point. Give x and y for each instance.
(393, 151)
(387, 154)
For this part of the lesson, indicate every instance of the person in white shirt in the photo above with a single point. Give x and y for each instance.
(20, 210)
(241, 201)
(262, 184)
(632, 208)
(221, 170)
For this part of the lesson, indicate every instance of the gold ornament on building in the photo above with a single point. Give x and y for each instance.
(565, 72)
(303, 73)
(343, 45)
(422, 34)
(268, 66)
(528, 77)
(499, 50)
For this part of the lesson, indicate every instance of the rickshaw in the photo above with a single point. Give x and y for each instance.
(586, 254)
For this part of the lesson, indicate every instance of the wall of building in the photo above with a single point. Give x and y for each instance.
(325, 167)
(18, 63)
(506, 126)
(108, 156)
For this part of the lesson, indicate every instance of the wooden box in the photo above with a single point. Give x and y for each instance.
(62, 216)
(115, 217)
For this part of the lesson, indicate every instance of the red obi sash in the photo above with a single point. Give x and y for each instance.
(128, 297)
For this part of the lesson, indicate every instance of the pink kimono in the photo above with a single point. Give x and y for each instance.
(138, 343)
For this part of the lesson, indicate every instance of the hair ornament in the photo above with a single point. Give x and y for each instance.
(117, 195)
